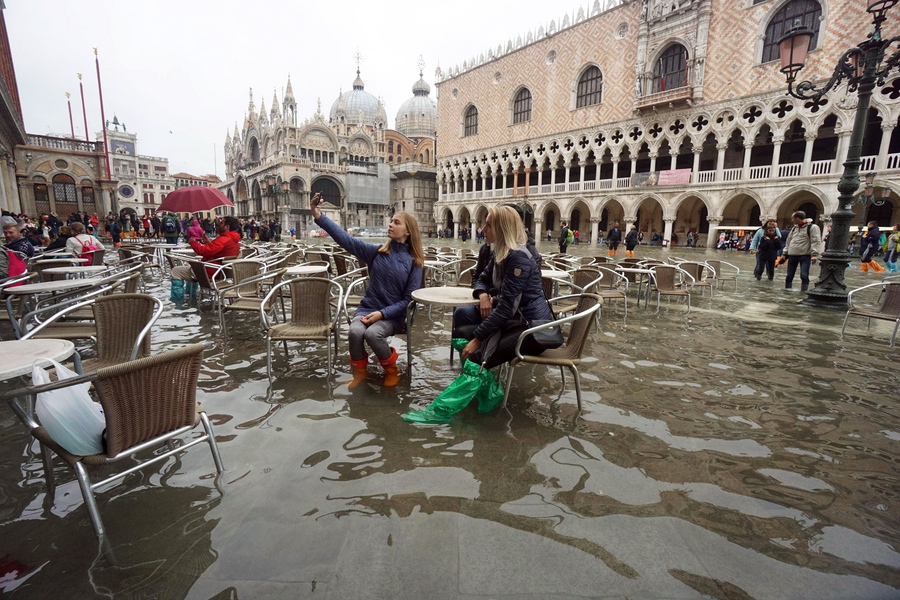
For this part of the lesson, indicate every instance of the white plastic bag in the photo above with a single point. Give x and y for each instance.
(72, 419)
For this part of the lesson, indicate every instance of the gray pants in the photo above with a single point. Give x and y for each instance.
(375, 335)
(182, 272)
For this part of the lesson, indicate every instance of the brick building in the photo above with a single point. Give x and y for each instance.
(670, 114)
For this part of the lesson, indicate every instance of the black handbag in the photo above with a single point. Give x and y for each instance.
(549, 338)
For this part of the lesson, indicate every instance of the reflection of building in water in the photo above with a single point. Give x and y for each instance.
(350, 156)
(568, 114)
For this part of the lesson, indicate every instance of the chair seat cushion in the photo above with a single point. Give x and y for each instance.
(67, 331)
(556, 356)
(251, 304)
(286, 331)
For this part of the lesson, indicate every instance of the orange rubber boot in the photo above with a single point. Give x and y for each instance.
(864, 267)
(359, 372)
(391, 371)
(876, 267)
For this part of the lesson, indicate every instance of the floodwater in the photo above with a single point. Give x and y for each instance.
(740, 451)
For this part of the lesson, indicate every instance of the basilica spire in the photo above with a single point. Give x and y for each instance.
(289, 91)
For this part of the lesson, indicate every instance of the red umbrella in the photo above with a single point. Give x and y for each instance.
(193, 199)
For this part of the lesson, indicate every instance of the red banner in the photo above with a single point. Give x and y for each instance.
(675, 177)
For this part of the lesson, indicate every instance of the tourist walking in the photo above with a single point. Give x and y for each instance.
(767, 250)
(802, 248)
(631, 241)
(565, 237)
(890, 252)
(754, 245)
(870, 244)
(171, 227)
(613, 238)
(395, 272)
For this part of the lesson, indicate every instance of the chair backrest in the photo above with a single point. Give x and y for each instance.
(547, 286)
(120, 319)
(311, 300)
(695, 270)
(246, 269)
(665, 277)
(148, 397)
(891, 303)
(716, 266)
(200, 274)
(581, 327)
(584, 277)
(601, 259)
(611, 280)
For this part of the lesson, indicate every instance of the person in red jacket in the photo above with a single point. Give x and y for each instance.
(212, 251)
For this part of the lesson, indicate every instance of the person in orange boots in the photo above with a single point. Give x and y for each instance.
(631, 241)
(395, 272)
(867, 248)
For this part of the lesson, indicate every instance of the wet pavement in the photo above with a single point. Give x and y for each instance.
(740, 451)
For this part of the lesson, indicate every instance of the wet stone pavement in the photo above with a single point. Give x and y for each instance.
(740, 451)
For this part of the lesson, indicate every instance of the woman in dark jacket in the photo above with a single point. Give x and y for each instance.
(767, 249)
(60, 242)
(395, 272)
(510, 286)
(631, 241)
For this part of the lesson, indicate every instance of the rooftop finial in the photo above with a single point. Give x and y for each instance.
(358, 58)
(421, 65)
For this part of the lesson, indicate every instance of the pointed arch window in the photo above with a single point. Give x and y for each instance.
(808, 11)
(522, 106)
(471, 122)
(671, 69)
(590, 88)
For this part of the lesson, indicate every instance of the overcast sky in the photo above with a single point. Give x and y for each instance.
(177, 72)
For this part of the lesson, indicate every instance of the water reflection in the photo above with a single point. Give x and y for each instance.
(743, 451)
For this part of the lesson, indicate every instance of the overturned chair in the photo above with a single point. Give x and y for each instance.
(147, 403)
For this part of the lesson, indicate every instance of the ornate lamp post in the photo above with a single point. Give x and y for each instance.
(868, 196)
(864, 67)
(281, 200)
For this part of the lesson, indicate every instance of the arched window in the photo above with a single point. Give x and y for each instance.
(399, 148)
(808, 11)
(471, 122)
(391, 146)
(522, 106)
(590, 88)
(64, 188)
(671, 69)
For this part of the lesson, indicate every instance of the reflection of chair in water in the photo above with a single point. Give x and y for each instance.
(724, 271)
(146, 402)
(568, 355)
(315, 315)
(888, 308)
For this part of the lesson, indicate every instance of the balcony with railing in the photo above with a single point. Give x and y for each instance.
(673, 88)
(64, 143)
(818, 168)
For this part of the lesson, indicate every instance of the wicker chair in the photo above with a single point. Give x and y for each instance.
(583, 281)
(147, 402)
(724, 271)
(701, 272)
(567, 356)
(124, 323)
(246, 293)
(669, 280)
(888, 309)
(315, 316)
(613, 286)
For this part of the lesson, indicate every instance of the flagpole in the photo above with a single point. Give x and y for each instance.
(83, 109)
(103, 116)
(71, 122)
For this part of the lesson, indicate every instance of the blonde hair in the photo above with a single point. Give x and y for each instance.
(508, 231)
(414, 240)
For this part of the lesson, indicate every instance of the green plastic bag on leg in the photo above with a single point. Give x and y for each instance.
(458, 344)
(452, 400)
(490, 393)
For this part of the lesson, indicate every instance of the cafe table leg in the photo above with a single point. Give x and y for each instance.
(410, 315)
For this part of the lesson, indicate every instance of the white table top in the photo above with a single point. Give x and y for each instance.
(306, 270)
(434, 263)
(76, 269)
(555, 274)
(63, 261)
(50, 286)
(445, 296)
(18, 356)
(633, 270)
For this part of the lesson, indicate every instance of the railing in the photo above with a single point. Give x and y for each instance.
(867, 164)
(479, 194)
(703, 177)
(760, 172)
(545, 189)
(623, 182)
(733, 174)
(559, 187)
(605, 184)
(62, 143)
(575, 187)
(532, 189)
(590, 185)
(790, 170)
(821, 167)
(500, 193)
(893, 161)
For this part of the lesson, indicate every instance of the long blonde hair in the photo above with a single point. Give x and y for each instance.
(414, 240)
(508, 231)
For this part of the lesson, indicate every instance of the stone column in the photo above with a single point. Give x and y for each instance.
(595, 230)
(748, 149)
(842, 149)
(807, 152)
(568, 166)
(720, 161)
(527, 182)
(713, 234)
(886, 129)
(552, 178)
(582, 175)
(776, 156)
(673, 164)
(472, 228)
(515, 183)
(615, 164)
(455, 230)
(537, 227)
(697, 150)
(540, 180)
(667, 231)
(653, 156)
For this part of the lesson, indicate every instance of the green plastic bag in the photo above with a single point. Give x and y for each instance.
(473, 383)
(458, 344)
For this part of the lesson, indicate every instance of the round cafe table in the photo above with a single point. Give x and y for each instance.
(18, 356)
(77, 272)
(433, 296)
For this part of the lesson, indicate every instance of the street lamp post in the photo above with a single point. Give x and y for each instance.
(864, 68)
(281, 200)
